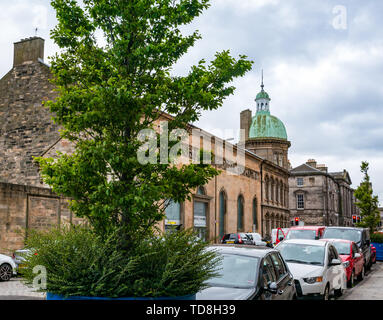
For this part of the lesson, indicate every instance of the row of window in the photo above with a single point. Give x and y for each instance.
(276, 191)
(173, 213)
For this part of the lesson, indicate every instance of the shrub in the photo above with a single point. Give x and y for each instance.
(377, 237)
(79, 262)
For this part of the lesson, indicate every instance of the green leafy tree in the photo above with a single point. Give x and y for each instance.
(109, 92)
(367, 202)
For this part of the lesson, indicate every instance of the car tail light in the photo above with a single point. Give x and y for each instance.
(240, 239)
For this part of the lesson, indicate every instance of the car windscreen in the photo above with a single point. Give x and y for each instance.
(235, 271)
(301, 234)
(302, 253)
(342, 247)
(346, 234)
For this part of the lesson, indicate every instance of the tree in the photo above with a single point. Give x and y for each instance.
(367, 202)
(108, 93)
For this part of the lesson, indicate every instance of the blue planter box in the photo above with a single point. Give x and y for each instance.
(52, 296)
(379, 250)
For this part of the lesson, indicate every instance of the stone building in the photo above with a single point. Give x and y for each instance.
(319, 197)
(265, 135)
(256, 199)
(26, 131)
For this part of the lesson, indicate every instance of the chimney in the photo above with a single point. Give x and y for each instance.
(245, 125)
(322, 167)
(28, 50)
(311, 163)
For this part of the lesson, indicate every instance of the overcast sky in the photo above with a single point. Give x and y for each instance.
(322, 61)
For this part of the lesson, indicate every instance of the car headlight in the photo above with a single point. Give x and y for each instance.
(346, 264)
(312, 280)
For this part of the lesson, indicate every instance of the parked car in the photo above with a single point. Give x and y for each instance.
(7, 268)
(317, 269)
(278, 235)
(373, 254)
(236, 238)
(305, 232)
(361, 236)
(256, 239)
(19, 257)
(352, 259)
(249, 273)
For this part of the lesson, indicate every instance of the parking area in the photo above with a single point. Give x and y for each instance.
(16, 290)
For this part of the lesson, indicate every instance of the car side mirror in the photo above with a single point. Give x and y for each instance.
(272, 287)
(335, 262)
(357, 255)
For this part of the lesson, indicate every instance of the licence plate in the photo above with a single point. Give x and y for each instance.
(229, 241)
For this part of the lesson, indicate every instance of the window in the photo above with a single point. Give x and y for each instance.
(300, 201)
(268, 272)
(240, 204)
(200, 219)
(299, 182)
(222, 213)
(279, 266)
(255, 214)
(173, 215)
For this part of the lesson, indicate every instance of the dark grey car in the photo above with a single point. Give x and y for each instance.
(249, 273)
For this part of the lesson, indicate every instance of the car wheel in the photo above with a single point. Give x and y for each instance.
(338, 292)
(362, 273)
(350, 283)
(326, 294)
(5, 272)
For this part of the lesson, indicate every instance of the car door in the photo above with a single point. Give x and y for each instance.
(358, 262)
(338, 271)
(267, 276)
(284, 280)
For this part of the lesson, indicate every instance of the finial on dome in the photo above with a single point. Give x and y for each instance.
(262, 85)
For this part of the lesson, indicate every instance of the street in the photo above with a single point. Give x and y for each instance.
(370, 288)
(16, 290)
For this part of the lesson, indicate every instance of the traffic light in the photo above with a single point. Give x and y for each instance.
(353, 219)
(358, 219)
(296, 220)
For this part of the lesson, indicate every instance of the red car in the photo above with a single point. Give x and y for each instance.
(352, 259)
(305, 232)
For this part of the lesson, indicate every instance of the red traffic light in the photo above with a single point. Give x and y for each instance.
(296, 219)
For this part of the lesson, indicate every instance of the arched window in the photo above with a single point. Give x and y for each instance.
(255, 214)
(240, 213)
(222, 213)
(267, 188)
(272, 189)
(277, 191)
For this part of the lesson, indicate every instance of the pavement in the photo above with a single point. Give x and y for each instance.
(370, 288)
(15, 289)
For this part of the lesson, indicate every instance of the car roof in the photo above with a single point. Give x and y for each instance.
(307, 227)
(337, 240)
(247, 250)
(351, 228)
(306, 241)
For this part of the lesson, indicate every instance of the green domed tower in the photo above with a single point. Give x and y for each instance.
(265, 134)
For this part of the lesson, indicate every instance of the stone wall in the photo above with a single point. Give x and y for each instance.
(24, 208)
